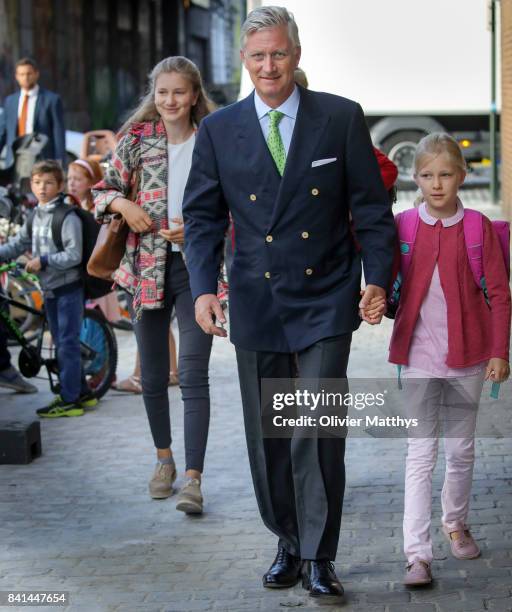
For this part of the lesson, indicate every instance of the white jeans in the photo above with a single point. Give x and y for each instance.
(453, 404)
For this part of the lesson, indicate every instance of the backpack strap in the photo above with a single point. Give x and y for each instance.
(30, 222)
(407, 227)
(474, 237)
(408, 222)
(60, 213)
(473, 224)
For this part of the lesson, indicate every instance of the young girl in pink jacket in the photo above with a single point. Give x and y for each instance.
(447, 339)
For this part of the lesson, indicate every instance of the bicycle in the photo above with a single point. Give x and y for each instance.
(98, 345)
(29, 292)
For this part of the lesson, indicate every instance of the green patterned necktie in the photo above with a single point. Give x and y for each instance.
(274, 142)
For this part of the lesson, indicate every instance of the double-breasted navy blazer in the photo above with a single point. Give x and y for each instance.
(48, 120)
(296, 272)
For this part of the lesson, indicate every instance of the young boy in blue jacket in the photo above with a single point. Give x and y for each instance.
(60, 275)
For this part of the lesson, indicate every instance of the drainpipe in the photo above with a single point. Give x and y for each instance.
(493, 110)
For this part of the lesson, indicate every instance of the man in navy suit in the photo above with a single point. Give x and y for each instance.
(33, 109)
(291, 166)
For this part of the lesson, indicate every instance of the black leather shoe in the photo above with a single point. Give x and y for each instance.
(284, 572)
(319, 578)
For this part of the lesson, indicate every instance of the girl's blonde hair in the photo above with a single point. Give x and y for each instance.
(433, 145)
(436, 143)
(146, 111)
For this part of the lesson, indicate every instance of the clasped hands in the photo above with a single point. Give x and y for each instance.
(373, 304)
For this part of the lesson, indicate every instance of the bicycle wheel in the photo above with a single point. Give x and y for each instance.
(30, 295)
(98, 347)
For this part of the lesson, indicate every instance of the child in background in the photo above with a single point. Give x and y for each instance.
(447, 340)
(60, 275)
(82, 175)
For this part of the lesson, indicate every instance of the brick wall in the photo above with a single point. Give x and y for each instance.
(506, 113)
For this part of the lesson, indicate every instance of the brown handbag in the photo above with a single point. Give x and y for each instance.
(110, 245)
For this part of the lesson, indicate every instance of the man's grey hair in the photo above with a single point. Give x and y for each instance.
(269, 17)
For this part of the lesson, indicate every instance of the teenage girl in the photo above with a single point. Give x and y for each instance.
(156, 149)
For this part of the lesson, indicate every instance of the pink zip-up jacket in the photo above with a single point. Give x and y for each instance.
(476, 332)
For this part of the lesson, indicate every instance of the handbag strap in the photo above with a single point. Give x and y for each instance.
(134, 186)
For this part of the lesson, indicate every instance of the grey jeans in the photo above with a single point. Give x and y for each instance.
(195, 346)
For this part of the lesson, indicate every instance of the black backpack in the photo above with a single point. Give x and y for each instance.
(93, 287)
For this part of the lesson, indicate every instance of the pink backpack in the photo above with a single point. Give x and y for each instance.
(473, 234)
(407, 225)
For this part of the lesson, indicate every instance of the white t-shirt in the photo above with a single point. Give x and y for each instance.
(180, 161)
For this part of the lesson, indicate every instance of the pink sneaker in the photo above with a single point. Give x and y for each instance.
(462, 544)
(418, 573)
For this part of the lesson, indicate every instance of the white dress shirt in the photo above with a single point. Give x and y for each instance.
(289, 109)
(32, 100)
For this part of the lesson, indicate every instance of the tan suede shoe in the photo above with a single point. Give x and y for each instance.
(190, 499)
(160, 485)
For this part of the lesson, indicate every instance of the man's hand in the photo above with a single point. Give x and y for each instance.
(33, 265)
(208, 309)
(373, 304)
(498, 370)
(177, 234)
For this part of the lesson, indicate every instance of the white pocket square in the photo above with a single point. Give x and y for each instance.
(322, 162)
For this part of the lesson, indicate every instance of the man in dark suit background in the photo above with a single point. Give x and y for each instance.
(33, 109)
(291, 166)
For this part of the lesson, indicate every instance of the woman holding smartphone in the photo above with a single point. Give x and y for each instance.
(155, 155)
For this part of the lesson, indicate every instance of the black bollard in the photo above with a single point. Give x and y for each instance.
(20, 442)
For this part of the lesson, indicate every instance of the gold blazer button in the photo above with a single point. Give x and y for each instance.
(305, 235)
(269, 238)
(309, 271)
(267, 274)
(252, 197)
(315, 191)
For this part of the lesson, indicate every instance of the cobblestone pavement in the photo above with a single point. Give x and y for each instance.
(79, 518)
